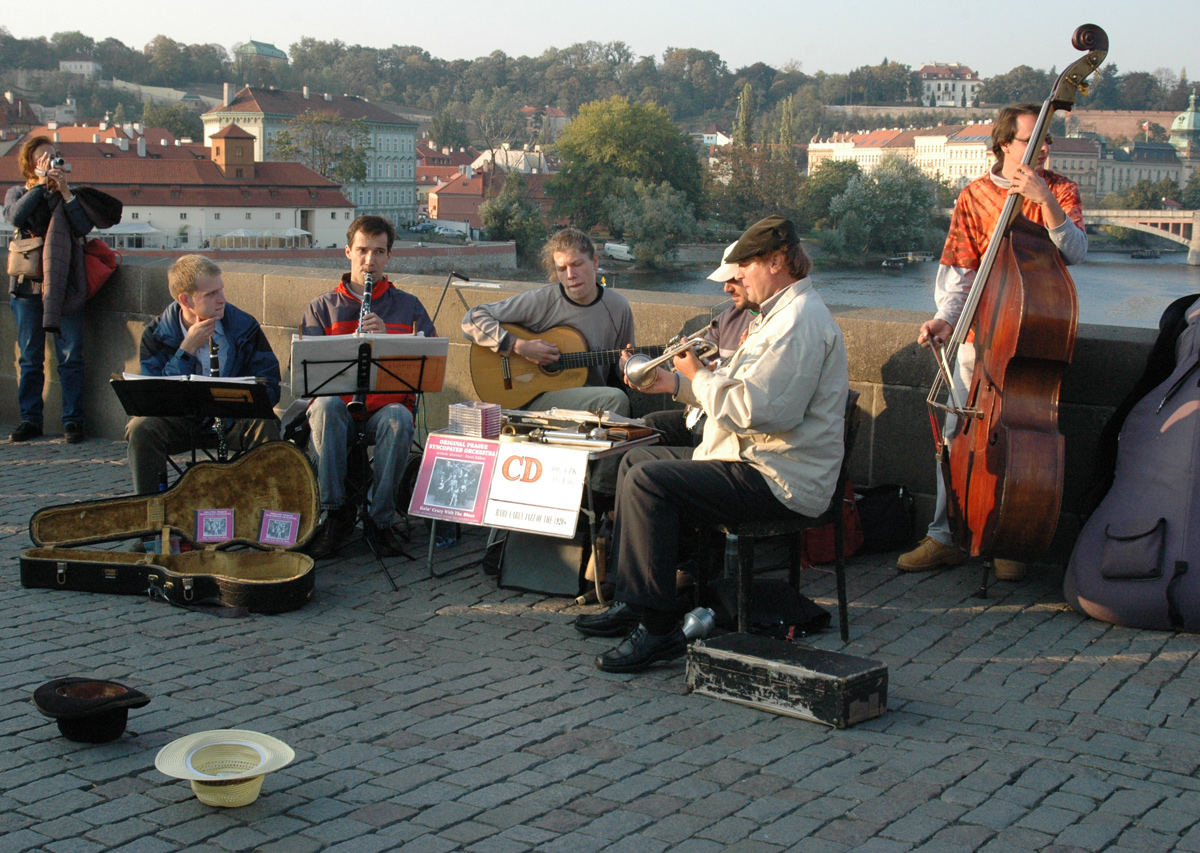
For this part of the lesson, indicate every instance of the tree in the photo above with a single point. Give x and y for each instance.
(446, 130)
(653, 219)
(1022, 84)
(615, 139)
(743, 131)
(889, 209)
(511, 216)
(826, 182)
(1191, 193)
(178, 119)
(326, 143)
(496, 116)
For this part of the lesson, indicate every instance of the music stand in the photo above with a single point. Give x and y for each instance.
(336, 365)
(193, 397)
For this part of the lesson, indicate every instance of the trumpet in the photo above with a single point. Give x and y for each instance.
(640, 369)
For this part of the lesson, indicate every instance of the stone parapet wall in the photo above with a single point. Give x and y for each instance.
(892, 373)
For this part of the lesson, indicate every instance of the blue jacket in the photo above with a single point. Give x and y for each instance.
(252, 353)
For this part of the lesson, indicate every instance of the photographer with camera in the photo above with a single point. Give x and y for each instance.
(51, 297)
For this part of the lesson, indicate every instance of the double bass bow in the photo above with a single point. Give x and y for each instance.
(1004, 463)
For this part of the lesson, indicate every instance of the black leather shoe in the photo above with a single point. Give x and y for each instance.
(25, 431)
(616, 621)
(339, 524)
(74, 433)
(641, 649)
(387, 540)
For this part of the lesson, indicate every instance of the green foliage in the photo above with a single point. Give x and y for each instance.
(1021, 84)
(889, 209)
(1145, 195)
(511, 216)
(176, 118)
(333, 146)
(653, 219)
(447, 130)
(826, 182)
(496, 116)
(743, 131)
(1191, 193)
(745, 185)
(614, 139)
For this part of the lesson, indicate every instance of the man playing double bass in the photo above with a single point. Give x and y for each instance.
(1049, 200)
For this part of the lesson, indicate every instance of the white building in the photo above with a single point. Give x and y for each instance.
(948, 84)
(390, 188)
(187, 196)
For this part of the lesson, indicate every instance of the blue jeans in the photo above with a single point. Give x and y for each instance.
(68, 349)
(390, 430)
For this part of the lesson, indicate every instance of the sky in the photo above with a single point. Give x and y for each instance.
(834, 36)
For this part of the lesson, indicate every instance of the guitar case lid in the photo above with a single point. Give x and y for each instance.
(273, 477)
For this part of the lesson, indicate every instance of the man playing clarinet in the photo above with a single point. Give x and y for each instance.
(388, 418)
(199, 331)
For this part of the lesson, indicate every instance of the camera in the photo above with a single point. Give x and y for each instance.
(60, 163)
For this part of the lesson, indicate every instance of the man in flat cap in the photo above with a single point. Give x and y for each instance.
(772, 444)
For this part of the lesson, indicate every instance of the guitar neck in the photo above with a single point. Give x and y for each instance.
(598, 358)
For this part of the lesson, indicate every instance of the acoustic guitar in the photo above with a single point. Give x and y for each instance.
(513, 381)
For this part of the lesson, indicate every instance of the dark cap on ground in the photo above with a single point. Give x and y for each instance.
(766, 235)
(87, 709)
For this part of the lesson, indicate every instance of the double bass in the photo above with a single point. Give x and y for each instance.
(1004, 463)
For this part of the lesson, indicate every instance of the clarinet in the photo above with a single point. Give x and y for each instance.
(368, 286)
(358, 405)
(214, 370)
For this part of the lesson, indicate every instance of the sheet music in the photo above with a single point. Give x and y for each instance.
(326, 362)
(195, 377)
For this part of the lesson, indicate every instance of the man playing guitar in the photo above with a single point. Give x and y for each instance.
(603, 317)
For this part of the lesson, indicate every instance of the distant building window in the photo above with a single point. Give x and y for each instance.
(218, 151)
(239, 151)
(216, 216)
(136, 215)
(345, 216)
(237, 173)
(183, 216)
(333, 215)
(278, 215)
(247, 215)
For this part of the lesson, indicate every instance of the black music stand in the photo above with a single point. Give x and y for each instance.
(356, 368)
(193, 398)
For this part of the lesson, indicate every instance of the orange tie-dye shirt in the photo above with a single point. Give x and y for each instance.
(979, 206)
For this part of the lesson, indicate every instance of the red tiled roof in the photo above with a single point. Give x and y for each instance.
(435, 174)
(82, 133)
(947, 72)
(73, 151)
(196, 183)
(278, 102)
(232, 131)
(461, 185)
(1074, 145)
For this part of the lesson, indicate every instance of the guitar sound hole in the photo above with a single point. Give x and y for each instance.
(552, 368)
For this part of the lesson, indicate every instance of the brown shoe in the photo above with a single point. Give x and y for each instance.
(929, 555)
(1009, 570)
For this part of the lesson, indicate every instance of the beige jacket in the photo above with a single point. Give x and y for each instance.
(780, 402)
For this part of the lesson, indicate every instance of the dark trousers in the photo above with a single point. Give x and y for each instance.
(662, 495)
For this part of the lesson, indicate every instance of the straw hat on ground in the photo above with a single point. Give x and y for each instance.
(226, 767)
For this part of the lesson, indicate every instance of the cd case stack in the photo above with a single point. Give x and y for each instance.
(475, 418)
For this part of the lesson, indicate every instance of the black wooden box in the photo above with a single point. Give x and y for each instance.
(784, 678)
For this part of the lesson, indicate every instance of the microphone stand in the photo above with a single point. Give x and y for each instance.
(453, 274)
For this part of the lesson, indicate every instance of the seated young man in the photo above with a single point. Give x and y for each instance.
(178, 344)
(602, 316)
(772, 445)
(389, 417)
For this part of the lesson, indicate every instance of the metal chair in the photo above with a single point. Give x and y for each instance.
(741, 538)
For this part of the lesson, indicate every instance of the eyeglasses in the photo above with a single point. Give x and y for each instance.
(1048, 141)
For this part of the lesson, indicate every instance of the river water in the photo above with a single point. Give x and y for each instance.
(1113, 289)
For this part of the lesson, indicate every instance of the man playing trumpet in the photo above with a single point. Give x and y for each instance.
(772, 444)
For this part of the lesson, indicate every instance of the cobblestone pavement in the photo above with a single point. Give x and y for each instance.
(457, 716)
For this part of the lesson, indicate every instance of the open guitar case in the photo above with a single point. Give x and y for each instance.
(258, 577)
